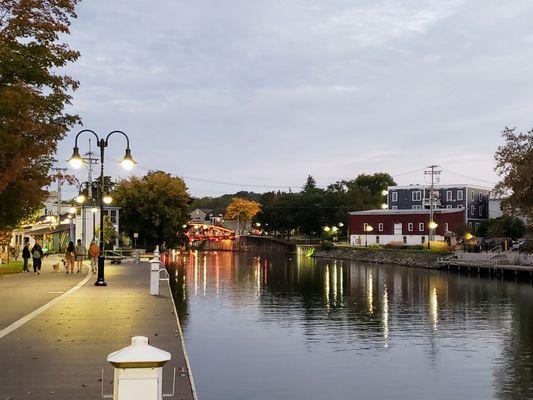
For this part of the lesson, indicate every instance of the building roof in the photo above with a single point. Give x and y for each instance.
(450, 186)
(407, 212)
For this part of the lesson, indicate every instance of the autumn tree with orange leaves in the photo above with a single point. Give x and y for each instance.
(33, 96)
(242, 211)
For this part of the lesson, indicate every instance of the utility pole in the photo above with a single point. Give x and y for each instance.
(59, 174)
(433, 172)
(90, 161)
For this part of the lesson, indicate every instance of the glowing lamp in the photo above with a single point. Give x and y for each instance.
(369, 228)
(80, 199)
(327, 229)
(72, 210)
(384, 206)
(384, 192)
(432, 225)
(107, 199)
(128, 162)
(468, 236)
(75, 160)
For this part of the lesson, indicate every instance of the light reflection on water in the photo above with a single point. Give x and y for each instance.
(276, 327)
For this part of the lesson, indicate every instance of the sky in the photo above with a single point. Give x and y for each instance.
(261, 93)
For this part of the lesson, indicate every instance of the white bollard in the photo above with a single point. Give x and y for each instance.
(154, 276)
(138, 371)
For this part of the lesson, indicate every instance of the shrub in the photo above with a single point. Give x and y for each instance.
(327, 245)
(527, 247)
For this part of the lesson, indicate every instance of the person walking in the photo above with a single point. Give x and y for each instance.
(69, 257)
(94, 252)
(37, 254)
(26, 255)
(80, 255)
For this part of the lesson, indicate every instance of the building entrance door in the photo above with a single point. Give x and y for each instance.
(398, 229)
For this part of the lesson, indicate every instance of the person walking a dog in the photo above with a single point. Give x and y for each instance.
(69, 257)
(26, 255)
(37, 254)
(80, 255)
(94, 252)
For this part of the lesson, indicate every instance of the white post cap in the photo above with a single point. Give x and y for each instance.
(139, 355)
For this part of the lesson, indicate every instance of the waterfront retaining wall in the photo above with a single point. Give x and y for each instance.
(408, 258)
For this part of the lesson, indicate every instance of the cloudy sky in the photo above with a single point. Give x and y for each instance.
(264, 92)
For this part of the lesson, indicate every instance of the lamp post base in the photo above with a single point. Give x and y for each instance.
(100, 281)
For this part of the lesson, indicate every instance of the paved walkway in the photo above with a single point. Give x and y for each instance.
(60, 353)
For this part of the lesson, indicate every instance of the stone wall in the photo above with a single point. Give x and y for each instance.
(410, 258)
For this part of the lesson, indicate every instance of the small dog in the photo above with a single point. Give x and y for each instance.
(55, 267)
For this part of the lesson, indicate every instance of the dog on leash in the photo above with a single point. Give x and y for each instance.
(55, 267)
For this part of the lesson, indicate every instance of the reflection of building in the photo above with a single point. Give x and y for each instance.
(473, 199)
(404, 226)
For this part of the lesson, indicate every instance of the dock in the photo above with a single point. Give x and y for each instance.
(56, 331)
(485, 268)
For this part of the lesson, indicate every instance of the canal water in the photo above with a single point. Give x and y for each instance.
(276, 327)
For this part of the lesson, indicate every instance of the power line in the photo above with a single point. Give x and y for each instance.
(468, 177)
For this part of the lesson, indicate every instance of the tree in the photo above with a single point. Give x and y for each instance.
(110, 233)
(154, 206)
(504, 226)
(33, 96)
(514, 164)
(310, 184)
(242, 210)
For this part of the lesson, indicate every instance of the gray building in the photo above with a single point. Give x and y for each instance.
(473, 199)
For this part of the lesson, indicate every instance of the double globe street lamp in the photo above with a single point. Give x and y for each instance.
(76, 161)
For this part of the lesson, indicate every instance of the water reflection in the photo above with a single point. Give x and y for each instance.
(373, 330)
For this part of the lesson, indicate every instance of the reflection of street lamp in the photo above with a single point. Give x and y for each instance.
(127, 162)
(432, 226)
(368, 228)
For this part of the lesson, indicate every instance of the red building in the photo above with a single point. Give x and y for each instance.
(408, 226)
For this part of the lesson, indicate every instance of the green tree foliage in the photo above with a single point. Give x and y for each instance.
(514, 163)
(308, 211)
(155, 206)
(33, 96)
(110, 233)
(506, 226)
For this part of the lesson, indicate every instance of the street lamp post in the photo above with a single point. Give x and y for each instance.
(432, 226)
(368, 228)
(76, 161)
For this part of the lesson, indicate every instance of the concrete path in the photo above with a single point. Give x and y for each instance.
(60, 353)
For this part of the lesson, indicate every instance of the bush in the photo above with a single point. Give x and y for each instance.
(327, 245)
(440, 247)
(527, 247)
(374, 246)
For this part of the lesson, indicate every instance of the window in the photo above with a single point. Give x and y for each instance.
(405, 240)
(423, 240)
(449, 195)
(472, 195)
(377, 239)
(449, 206)
(480, 196)
(394, 196)
(480, 211)
(470, 225)
(472, 210)
(421, 227)
(460, 195)
(477, 226)
(446, 227)
(416, 207)
(365, 227)
(410, 226)
(380, 227)
(417, 195)
(394, 207)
